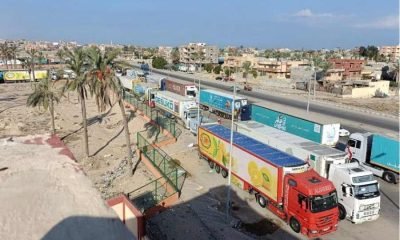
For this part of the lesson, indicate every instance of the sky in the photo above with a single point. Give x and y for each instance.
(296, 24)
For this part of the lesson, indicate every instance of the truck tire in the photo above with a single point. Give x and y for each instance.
(211, 164)
(342, 212)
(294, 225)
(224, 173)
(389, 177)
(217, 168)
(261, 200)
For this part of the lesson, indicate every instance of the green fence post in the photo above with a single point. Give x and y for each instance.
(176, 179)
(156, 191)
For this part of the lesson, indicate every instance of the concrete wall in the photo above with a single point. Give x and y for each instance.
(375, 89)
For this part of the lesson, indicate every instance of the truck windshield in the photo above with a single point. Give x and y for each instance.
(191, 93)
(366, 191)
(321, 203)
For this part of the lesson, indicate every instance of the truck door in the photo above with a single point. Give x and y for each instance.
(354, 146)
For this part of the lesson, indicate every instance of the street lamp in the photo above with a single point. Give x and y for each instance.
(309, 87)
(230, 155)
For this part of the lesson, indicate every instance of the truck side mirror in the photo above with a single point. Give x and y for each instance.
(346, 189)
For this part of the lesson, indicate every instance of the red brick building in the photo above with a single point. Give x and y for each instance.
(352, 67)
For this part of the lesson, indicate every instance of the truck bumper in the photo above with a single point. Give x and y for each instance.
(318, 233)
(362, 219)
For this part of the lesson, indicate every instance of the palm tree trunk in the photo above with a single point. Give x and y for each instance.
(52, 116)
(84, 123)
(127, 135)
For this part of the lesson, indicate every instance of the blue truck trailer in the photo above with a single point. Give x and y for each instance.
(220, 103)
(322, 132)
(376, 153)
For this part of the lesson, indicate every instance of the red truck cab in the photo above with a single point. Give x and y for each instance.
(310, 203)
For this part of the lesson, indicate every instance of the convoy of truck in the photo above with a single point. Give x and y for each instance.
(377, 153)
(282, 183)
(287, 161)
(322, 132)
(220, 103)
(329, 163)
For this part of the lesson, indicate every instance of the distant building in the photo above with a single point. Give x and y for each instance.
(391, 52)
(166, 53)
(198, 53)
(278, 69)
(352, 67)
(334, 74)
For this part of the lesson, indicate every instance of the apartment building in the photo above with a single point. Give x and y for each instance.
(165, 52)
(278, 69)
(198, 53)
(352, 67)
(234, 62)
(391, 52)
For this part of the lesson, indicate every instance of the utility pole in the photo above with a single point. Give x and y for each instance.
(198, 107)
(230, 157)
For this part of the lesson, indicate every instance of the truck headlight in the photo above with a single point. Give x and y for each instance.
(313, 231)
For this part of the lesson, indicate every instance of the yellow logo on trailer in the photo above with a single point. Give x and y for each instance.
(24, 75)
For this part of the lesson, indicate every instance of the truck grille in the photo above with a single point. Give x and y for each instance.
(325, 220)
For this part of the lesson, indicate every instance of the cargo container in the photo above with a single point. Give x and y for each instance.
(220, 103)
(323, 132)
(282, 183)
(24, 75)
(329, 163)
(180, 87)
(128, 78)
(376, 153)
(178, 106)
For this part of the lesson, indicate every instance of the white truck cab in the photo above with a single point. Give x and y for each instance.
(358, 192)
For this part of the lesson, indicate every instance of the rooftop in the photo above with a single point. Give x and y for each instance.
(44, 194)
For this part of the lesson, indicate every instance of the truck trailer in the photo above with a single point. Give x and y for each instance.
(376, 153)
(178, 106)
(282, 183)
(183, 88)
(329, 163)
(323, 132)
(220, 103)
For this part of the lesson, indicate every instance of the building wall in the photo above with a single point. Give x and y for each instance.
(375, 89)
(187, 53)
(392, 52)
(352, 67)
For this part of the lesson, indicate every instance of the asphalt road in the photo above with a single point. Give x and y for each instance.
(356, 117)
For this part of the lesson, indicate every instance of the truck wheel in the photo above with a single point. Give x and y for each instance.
(389, 177)
(261, 201)
(224, 173)
(217, 168)
(294, 225)
(211, 164)
(342, 212)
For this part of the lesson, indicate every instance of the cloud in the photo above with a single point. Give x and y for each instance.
(389, 22)
(307, 13)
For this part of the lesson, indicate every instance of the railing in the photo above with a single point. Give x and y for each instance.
(165, 122)
(171, 171)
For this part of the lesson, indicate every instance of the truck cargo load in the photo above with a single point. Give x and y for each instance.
(181, 87)
(317, 155)
(221, 103)
(323, 132)
(385, 152)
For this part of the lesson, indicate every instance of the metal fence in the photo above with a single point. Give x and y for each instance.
(171, 171)
(155, 115)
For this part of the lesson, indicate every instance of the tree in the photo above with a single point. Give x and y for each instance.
(254, 73)
(208, 67)
(175, 55)
(4, 51)
(159, 62)
(75, 60)
(12, 52)
(372, 52)
(44, 96)
(33, 53)
(103, 82)
(363, 51)
(227, 72)
(246, 68)
(217, 69)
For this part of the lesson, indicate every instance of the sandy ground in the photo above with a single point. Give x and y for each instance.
(107, 165)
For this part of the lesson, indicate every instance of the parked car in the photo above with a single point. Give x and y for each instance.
(343, 132)
(218, 78)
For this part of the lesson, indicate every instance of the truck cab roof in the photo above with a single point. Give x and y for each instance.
(311, 183)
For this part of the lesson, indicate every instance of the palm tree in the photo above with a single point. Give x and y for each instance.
(75, 61)
(33, 53)
(246, 67)
(13, 54)
(4, 51)
(44, 96)
(104, 81)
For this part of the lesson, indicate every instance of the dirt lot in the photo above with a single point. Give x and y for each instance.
(107, 166)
